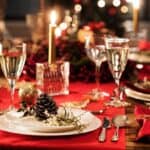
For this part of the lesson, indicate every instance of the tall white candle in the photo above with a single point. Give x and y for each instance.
(51, 50)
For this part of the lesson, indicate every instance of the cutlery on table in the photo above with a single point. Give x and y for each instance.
(106, 124)
(98, 112)
(118, 121)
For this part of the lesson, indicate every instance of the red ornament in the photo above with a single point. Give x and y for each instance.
(77, 1)
(96, 25)
(112, 11)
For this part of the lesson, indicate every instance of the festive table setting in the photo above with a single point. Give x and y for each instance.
(81, 88)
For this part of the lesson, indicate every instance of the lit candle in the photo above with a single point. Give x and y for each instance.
(51, 51)
(136, 5)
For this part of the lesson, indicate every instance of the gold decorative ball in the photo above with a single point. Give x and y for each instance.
(85, 32)
(28, 94)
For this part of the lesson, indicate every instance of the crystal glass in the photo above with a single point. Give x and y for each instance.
(95, 50)
(12, 60)
(117, 56)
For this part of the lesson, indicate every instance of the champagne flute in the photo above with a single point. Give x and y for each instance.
(95, 50)
(117, 56)
(12, 60)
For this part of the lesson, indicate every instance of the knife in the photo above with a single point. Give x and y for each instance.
(98, 112)
(106, 124)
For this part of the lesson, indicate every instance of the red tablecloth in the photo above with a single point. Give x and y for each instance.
(88, 141)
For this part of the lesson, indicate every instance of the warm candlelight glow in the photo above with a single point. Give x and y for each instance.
(53, 17)
(136, 4)
(58, 32)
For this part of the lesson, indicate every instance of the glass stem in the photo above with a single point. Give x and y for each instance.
(117, 92)
(12, 92)
(97, 73)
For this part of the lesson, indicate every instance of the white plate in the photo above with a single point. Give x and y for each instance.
(137, 95)
(90, 121)
(139, 57)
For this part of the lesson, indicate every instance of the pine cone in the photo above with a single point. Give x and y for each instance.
(45, 106)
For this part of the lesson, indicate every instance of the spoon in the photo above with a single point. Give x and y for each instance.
(102, 135)
(118, 121)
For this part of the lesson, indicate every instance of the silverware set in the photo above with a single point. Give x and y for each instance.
(117, 121)
(106, 124)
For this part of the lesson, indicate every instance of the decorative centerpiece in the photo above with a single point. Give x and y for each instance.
(46, 112)
(53, 76)
(41, 109)
(71, 48)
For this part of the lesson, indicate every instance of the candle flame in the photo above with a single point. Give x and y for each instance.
(136, 4)
(53, 17)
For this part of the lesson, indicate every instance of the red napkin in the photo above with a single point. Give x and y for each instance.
(144, 45)
(143, 117)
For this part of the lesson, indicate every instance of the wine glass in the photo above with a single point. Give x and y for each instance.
(12, 60)
(117, 56)
(95, 50)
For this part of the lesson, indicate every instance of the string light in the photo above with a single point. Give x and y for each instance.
(57, 32)
(101, 3)
(77, 8)
(124, 9)
(129, 1)
(63, 26)
(116, 3)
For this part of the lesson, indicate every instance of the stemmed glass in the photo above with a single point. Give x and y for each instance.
(95, 50)
(12, 60)
(117, 56)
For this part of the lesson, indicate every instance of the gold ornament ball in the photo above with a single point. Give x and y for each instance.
(85, 32)
(28, 94)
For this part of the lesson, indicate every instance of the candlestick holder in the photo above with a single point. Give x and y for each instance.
(53, 79)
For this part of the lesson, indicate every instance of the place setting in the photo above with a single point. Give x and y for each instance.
(74, 75)
(39, 114)
(65, 122)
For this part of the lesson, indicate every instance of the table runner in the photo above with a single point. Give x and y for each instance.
(88, 141)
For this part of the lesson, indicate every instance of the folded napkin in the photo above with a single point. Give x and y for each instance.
(143, 117)
(144, 45)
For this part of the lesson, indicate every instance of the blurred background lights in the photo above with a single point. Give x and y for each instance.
(139, 66)
(116, 3)
(57, 32)
(136, 3)
(77, 7)
(63, 26)
(129, 1)
(68, 18)
(101, 3)
(124, 9)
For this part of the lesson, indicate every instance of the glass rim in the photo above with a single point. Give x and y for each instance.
(21, 45)
(117, 39)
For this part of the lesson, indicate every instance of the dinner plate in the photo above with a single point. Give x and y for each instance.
(137, 95)
(27, 127)
(139, 56)
(140, 86)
